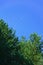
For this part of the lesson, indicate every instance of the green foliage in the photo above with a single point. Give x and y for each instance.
(30, 48)
(8, 41)
(18, 52)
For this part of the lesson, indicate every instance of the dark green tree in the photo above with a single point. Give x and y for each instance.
(8, 42)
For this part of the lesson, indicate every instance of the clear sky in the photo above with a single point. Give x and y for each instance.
(25, 16)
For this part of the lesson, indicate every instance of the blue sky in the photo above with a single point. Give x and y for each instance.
(25, 16)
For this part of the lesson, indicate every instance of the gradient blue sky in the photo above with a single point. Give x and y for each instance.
(25, 16)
